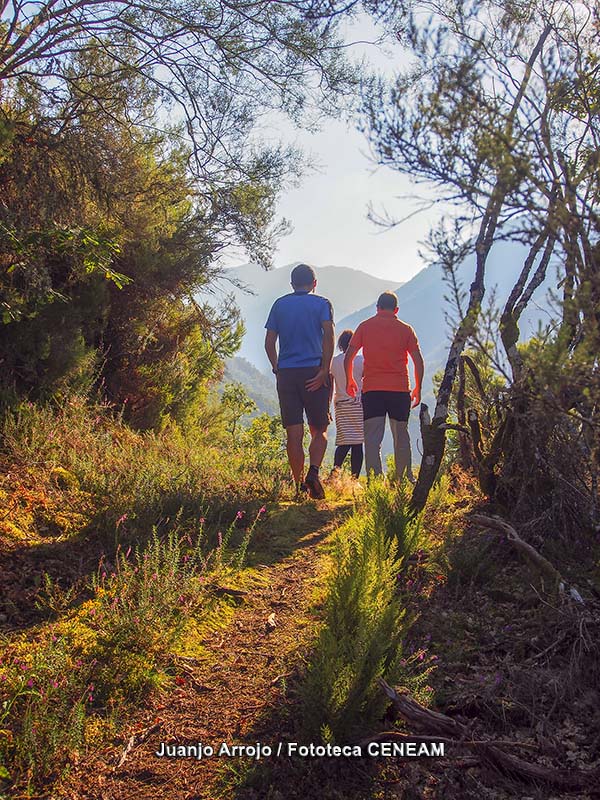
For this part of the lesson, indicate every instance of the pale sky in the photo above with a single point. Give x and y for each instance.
(328, 211)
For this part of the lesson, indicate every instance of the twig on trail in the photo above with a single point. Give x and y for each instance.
(137, 739)
(432, 724)
(281, 677)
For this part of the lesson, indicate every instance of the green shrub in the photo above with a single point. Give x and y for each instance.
(361, 639)
(389, 506)
(121, 483)
(43, 699)
(139, 613)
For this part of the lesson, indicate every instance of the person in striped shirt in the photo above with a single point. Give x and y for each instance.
(348, 410)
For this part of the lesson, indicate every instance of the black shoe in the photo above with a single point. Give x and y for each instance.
(314, 485)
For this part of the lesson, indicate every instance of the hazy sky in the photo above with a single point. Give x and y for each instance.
(328, 211)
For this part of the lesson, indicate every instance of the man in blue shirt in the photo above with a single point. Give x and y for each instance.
(303, 323)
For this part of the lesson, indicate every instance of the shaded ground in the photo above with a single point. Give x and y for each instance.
(511, 665)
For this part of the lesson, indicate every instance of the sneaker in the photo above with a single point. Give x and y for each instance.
(314, 486)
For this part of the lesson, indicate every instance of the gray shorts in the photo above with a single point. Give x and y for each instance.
(295, 399)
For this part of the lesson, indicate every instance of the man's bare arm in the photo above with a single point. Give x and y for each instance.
(419, 366)
(271, 348)
(322, 375)
(351, 386)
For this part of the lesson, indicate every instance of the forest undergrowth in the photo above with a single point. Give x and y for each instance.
(111, 542)
(116, 546)
(455, 618)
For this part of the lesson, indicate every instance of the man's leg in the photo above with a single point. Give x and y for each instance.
(316, 453)
(374, 412)
(399, 411)
(316, 405)
(374, 430)
(295, 451)
(292, 418)
(402, 452)
(318, 445)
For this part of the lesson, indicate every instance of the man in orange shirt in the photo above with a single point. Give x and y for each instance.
(386, 342)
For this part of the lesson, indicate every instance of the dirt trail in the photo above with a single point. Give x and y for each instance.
(227, 696)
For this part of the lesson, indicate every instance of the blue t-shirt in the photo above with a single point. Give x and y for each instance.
(297, 319)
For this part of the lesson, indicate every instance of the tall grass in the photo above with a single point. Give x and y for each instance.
(364, 619)
(82, 468)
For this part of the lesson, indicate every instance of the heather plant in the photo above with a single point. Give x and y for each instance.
(140, 609)
(239, 555)
(111, 652)
(44, 693)
(364, 618)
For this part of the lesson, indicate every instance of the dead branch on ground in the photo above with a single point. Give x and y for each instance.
(431, 723)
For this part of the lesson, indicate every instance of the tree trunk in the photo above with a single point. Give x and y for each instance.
(434, 437)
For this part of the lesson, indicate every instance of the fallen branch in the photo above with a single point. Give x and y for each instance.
(526, 550)
(430, 722)
(553, 646)
(420, 717)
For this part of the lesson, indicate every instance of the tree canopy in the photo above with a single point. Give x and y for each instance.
(130, 158)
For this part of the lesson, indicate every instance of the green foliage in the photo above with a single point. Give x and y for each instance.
(90, 470)
(106, 238)
(262, 449)
(112, 221)
(365, 621)
(44, 699)
(139, 613)
(236, 404)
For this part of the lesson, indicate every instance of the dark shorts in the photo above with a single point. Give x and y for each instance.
(395, 404)
(295, 399)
